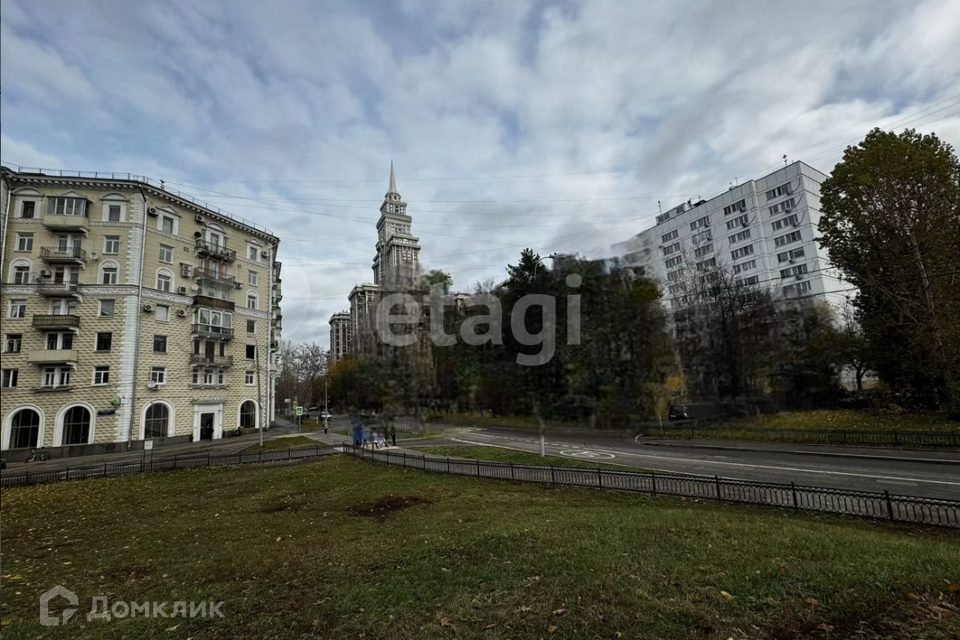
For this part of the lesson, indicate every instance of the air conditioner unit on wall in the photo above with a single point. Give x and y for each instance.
(182, 291)
(238, 285)
(153, 386)
(199, 218)
(182, 313)
(148, 307)
(265, 254)
(44, 273)
(152, 211)
(186, 270)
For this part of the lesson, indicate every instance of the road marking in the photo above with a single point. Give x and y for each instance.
(775, 468)
(585, 453)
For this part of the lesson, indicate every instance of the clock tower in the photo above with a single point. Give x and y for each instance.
(397, 261)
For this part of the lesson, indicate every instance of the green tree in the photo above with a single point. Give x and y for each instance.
(890, 219)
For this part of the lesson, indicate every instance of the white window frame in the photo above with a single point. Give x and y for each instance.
(158, 375)
(36, 208)
(7, 340)
(165, 248)
(96, 342)
(104, 379)
(166, 311)
(164, 276)
(252, 278)
(249, 378)
(63, 307)
(24, 238)
(251, 246)
(254, 326)
(253, 297)
(113, 200)
(110, 264)
(20, 271)
(60, 377)
(107, 241)
(100, 313)
(9, 376)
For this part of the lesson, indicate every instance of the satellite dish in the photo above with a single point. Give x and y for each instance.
(194, 287)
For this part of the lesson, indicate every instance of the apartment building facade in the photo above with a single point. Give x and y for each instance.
(340, 336)
(763, 232)
(130, 313)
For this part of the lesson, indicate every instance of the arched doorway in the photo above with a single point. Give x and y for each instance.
(76, 426)
(25, 429)
(248, 415)
(156, 421)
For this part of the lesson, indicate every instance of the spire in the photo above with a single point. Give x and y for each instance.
(393, 180)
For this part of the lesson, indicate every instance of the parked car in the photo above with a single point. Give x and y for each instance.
(677, 412)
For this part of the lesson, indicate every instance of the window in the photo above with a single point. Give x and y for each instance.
(752, 280)
(113, 213)
(699, 252)
(674, 289)
(60, 341)
(106, 308)
(670, 236)
(789, 221)
(799, 287)
(76, 426)
(248, 415)
(168, 224)
(21, 274)
(707, 264)
(251, 301)
(63, 307)
(101, 375)
(702, 222)
(248, 378)
(673, 248)
(28, 209)
(740, 221)
(104, 341)
(251, 351)
(703, 236)
(163, 313)
(18, 308)
(67, 206)
(220, 377)
(111, 245)
(782, 190)
(793, 254)
(780, 241)
(164, 280)
(109, 273)
(166, 254)
(252, 278)
(24, 241)
(13, 343)
(253, 252)
(54, 377)
(156, 422)
(735, 207)
(25, 429)
(740, 237)
(786, 205)
(158, 375)
(9, 378)
(674, 261)
(745, 266)
(251, 326)
(800, 269)
(741, 252)
(159, 344)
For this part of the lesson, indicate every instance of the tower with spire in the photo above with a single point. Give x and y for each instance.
(397, 261)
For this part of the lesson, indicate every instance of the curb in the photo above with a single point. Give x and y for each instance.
(861, 456)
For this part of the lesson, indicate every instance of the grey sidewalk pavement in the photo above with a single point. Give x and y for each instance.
(870, 453)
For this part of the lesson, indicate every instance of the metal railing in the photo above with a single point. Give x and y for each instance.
(56, 320)
(152, 182)
(210, 274)
(211, 361)
(57, 288)
(216, 249)
(69, 253)
(211, 330)
(702, 429)
(148, 465)
(866, 504)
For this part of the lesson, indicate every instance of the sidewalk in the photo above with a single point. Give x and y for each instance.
(899, 455)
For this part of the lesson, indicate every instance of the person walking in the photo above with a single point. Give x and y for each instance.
(393, 434)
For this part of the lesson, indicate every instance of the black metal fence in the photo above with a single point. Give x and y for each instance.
(703, 429)
(929, 511)
(148, 465)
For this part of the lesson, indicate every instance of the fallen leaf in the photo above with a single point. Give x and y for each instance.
(618, 634)
(823, 626)
(445, 622)
(491, 625)
(913, 596)
(560, 611)
(940, 611)
(783, 571)
(812, 601)
(954, 587)
(524, 609)
(278, 538)
(173, 628)
(726, 595)
(552, 628)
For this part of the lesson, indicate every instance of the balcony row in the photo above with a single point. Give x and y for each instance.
(211, 361)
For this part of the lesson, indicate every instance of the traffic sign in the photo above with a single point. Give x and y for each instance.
(299, 411)
(148, 445)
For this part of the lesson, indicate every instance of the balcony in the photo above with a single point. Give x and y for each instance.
(59, 321)
(212, 331)
(216, 251)
(216, 276)
(53, 356)
(60, 289)
(214, 361)
(53, 388)
(57, 223)
(70, 255)
(213, 303)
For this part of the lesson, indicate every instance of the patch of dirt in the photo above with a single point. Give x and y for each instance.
(388, 506)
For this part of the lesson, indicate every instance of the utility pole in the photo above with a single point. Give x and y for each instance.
(326, 406)
(259, 391)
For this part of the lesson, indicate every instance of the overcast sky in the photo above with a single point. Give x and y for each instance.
(553, 125)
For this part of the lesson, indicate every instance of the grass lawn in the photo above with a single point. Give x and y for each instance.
(282, 444)
(346, 548)
(856, 420)
(496, 454)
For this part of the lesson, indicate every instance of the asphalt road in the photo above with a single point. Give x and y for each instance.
(917, 473)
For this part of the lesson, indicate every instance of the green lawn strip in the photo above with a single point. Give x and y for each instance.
(346, 548)
(497, 454)
(855, 420)
(282, 444)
